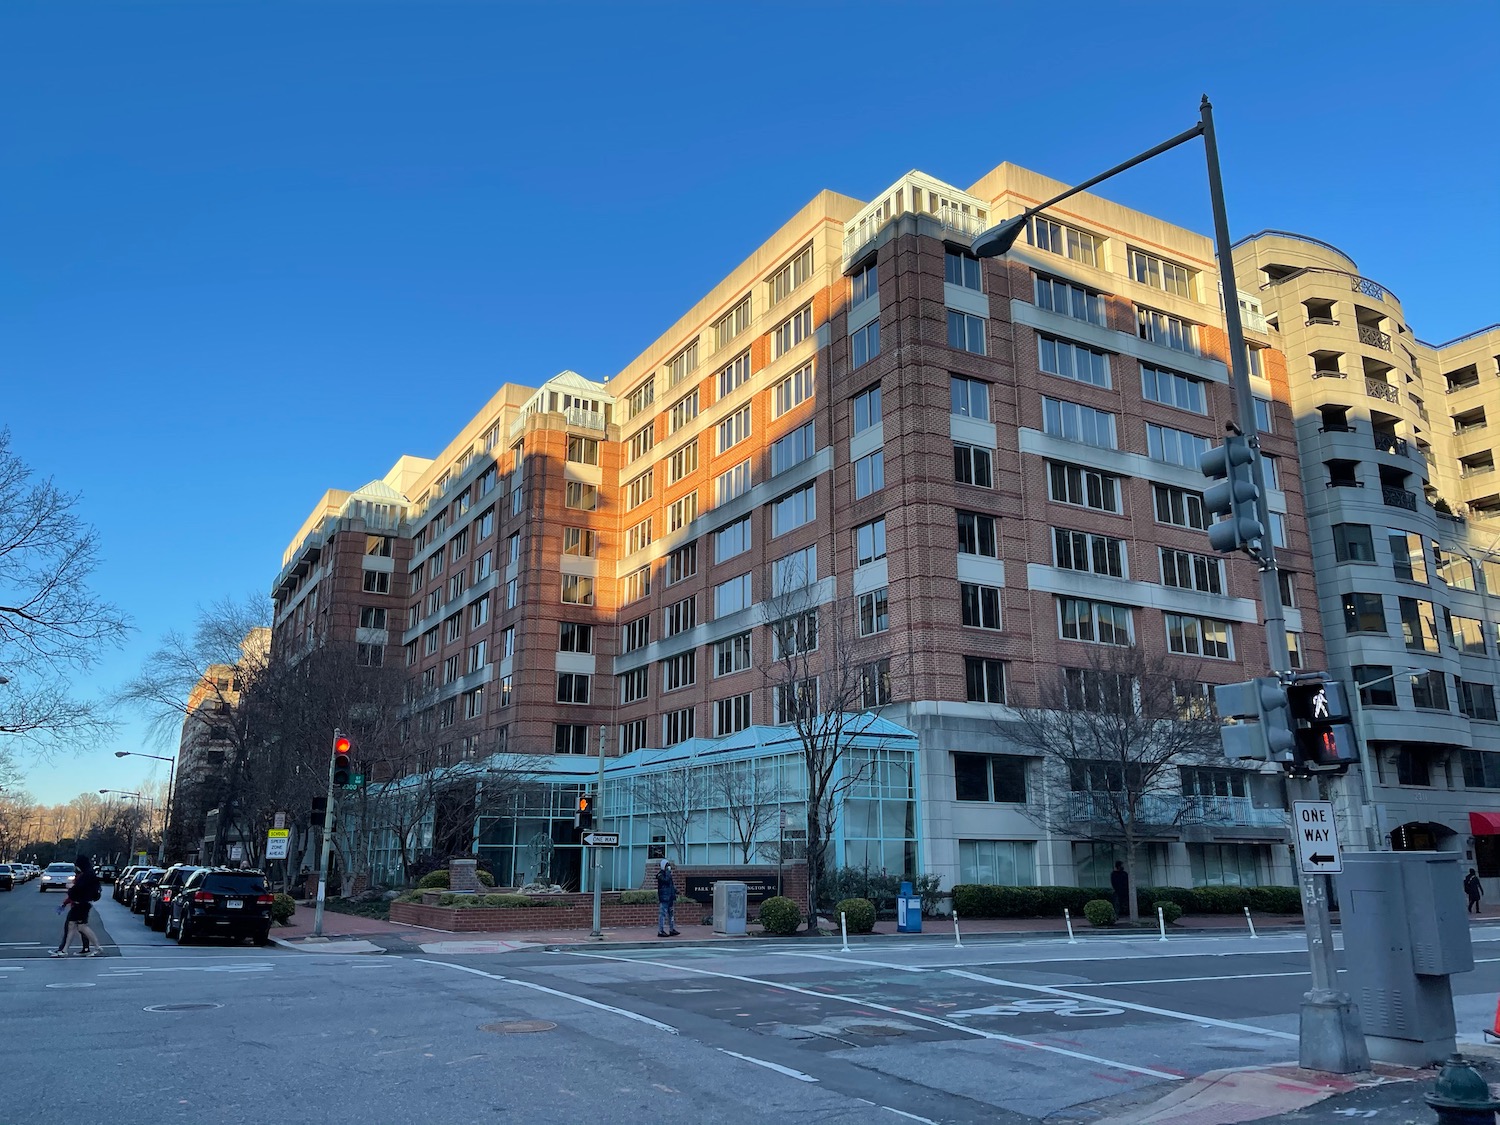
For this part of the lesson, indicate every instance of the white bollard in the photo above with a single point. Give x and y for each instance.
(1249, 921)
(1161, 924)
(844, 929)
(1068, 918)
(957, 940)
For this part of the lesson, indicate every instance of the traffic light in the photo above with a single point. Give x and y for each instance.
(342, 767)
(1233, 466)
(583, 819)
(1325, 725)
(319, 809)
(1264, 727)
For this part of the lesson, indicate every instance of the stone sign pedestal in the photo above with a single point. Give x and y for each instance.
(463, 876)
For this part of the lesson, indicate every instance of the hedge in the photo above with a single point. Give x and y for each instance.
(780, 916)
(469, 902)
(438, 880)
(859, 914)
(637, 898)
(979, 900)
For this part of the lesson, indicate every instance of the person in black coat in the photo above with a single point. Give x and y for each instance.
(1119, 882)
(86, 891)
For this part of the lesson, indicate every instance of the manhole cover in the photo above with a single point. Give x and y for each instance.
(181, 1007)
(517, 1027)
(876, 1029)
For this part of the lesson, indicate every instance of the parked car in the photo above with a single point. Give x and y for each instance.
(125, 882)
(144, 883)
(159, 898)
(222, 902)
(107, 873)
(58, 876)
(7, 877)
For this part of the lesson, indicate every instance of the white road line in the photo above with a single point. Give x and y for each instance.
(1190, 980)
(668, 1028)
(857, 961)
(777, 1067)
(1189, 1017)
(910, 1116)
(902, 1012)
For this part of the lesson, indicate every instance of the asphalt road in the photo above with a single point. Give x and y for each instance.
(999, 1033)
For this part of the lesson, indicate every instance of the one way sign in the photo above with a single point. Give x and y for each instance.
(1317, 838)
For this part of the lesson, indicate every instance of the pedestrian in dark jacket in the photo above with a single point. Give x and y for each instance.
(86, 891)
(1474, 890)
(1119, 882)
(666, 901)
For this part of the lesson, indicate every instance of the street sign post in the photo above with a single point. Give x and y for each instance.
(1317, 838)
(601, 839)
(277, 841)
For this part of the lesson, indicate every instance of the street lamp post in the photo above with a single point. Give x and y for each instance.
(130, 840)
(161, 850)
(1375, 840)
(1330, 1033)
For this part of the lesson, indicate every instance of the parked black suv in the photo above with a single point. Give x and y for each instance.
(142, 887)
(159, 898)
(223, 902)
(122, 883)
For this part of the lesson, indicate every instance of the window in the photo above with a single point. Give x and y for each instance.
(378, 546)
(518, 500)
(1175, 447)
(583, 497)
(731, 324)
(487, 479)
(732, 596)
(1072, 422)
(1070, 300)
(1262, 409)
(1477, 701)
(735, 482)
(1429, 690)
(1197, 636)
(506, 685)
(1161, 274)
(1189, 571)
(371, 617)
(791, 331)
(976, 535)
(1100, 622)
(578, 541)
(369, 656)
(636, 586)
(574, 636)
(1418, 625)
(1179, 507)
(793, 449)
(1085, 488)
(1481, 770)
(1467, 633)
(867, 409)
(639, 490)
(1070, 242)
(453, 627)
(792, 274)
(485, 524)
(1352, 542)
(970, 397)
(734, 374)
(683, 411)
(682, 462)
(508, 642)
(377, 582)
(1294, 649)
(1072, 361)
(635, 634)
(474, 703)
(478, 656)
(683, 364)
(677, 726)
(874, 613)
(1164, 329)
(1377, 686)
(981, 605)
(869, 542)
(640, 398)
(971, 465)
(678, 672)
(875, 684)
(966, 332)
(961, 269)
(429, 642)
(1408, 557)
(734, 429)
(638, 537)
(792, 391)
(633, 685)
(577, 589)
(1412, 767)
(682, 511)
(584, 450)
(732, 714)
(798, 700)
(984, 680)
(863, 285)
(794, 635)
(1172, 389)
(1006, 863)
(794, 571)
(570, 738)
(1456, 570)
(990, 777)
(1491, 570)
(864, 344)
(732, 540)
(632, 735)
(447, 713)
(732, 655)
(681, 564)
(794, 510)
(869, 474)
(1095, 554)
(1287, 581)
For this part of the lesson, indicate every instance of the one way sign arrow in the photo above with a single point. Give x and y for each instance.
(1315, 832)
(1321, 859)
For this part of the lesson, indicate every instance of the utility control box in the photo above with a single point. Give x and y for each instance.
(731, 904)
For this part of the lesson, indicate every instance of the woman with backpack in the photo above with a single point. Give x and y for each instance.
(85, 891)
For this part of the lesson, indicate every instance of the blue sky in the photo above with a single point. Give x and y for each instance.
(250, 251)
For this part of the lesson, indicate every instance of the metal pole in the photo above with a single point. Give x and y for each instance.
(327, 845)
(596, 854)
(166, 822)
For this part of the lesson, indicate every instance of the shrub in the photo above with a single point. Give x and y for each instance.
(1073, 899)
(637, 898)
(1185, 898)
(282, 908)
(410, 896)
(1221, 900)
(1275, 900)
(779, 916)
(859, 914)
(930, 888)
(1100, 912)
(1170, 911)
(434, 880)
(867, 883)
(469, 902)
(485, 878)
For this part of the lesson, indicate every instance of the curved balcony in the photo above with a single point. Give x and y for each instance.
(1377, 388)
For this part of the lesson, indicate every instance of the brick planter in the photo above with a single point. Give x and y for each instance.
(561, 912)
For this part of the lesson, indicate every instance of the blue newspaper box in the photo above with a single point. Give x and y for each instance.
(908, 911)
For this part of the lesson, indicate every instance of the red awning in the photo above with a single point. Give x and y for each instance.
(1484, 823)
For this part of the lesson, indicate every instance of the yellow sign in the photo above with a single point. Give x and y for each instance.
(278, 833)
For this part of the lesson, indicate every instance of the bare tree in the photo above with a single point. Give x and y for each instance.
(671, 796)
(51, 621)
(751, 801)
(1112, 738)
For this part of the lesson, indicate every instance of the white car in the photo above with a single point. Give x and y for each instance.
(57, 875)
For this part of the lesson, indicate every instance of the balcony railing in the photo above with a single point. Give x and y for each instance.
(1390, 443)
(1476, 470)
(1170, 810)
(1367, 287)
(1377, 388)
(1399, 498)
(1454, 387)
(1374, 337)
(1328, 374)
(1416, 402)
(1322, 320)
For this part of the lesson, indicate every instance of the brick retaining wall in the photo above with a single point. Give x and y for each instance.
(562, 912)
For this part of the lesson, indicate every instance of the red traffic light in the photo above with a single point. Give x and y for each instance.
(340, 744)
(342, 768)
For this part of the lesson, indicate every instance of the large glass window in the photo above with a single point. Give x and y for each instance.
(1005, 863)
(1072, 422)
(966, 332)
(1072, 361)
(970, 397)
(961, 269)
(1069, 299)
(1364, 613)
(1172, 389)
(998, 778)
(1086, 488)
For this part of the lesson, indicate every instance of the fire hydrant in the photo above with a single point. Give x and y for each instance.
(1461, 1096)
